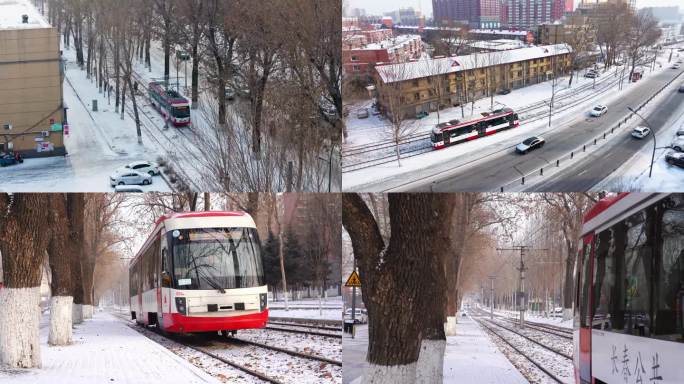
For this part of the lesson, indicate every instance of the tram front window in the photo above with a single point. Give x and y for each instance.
(181, 112)
(216, 258)
(436, 137)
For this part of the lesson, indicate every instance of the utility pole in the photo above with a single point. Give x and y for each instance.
(491, 297)
(521, 299)
(353, 316)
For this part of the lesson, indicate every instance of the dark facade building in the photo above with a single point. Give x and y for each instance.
(463, 11)
(528, 14)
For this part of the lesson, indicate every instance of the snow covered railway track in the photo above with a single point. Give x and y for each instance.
(234, 340)
(304, 331)
(307, 325)
(557, 331)
(521, 351)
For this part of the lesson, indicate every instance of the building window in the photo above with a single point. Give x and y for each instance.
(416, 83)
(416, 96)
(354, 58)
(356, 68)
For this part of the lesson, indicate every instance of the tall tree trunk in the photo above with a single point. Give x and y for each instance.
(395, 290)
(60, 267)
(75, 213)
(23, 243)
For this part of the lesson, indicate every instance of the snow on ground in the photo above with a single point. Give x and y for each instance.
(538, 318)
(313, 313)
(98, 143)
(106, 351)
(633, 175)
(474, 150)
(470, 357)
(329, 347)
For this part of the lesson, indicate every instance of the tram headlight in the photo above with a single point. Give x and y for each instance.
(263, 299)
(180, 305)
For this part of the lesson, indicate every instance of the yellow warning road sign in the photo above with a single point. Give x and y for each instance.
(353, 280)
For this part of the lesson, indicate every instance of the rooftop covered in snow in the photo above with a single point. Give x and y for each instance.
(430, 67)
(12, 12)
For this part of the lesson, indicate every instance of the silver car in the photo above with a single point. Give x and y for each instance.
(130, 178)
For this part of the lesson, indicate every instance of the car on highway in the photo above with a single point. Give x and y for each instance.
(599, 110)
(675, 158)
(360, 316)
(130, 178)
(530, 144)
(678, 144)
(362, 113)
(640, 132)
(149, 167)
(681, 88)
(676, 66)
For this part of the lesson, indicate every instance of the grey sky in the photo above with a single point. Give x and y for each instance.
(380, 6)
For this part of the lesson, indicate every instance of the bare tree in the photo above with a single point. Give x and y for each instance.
(643, 34)
(60, 267)
(401, 332)
(392, 100)
(23, 243)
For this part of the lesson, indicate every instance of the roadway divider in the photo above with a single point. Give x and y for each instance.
(597, 141)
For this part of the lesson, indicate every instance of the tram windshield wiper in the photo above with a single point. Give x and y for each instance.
(214, 284)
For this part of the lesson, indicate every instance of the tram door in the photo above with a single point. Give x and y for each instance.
(585, 308)
(164, 306)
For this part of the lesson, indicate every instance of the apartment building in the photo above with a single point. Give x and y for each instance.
(31, 108)
(359, 59)
(410, 88)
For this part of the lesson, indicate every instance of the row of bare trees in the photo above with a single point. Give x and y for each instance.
(418, 255)
(282, 58)
(72, 232)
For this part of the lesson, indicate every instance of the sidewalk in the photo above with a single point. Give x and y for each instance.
(470, 357)
(105, 350)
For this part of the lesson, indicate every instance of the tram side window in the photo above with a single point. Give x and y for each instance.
(623, 276)
(669, 290)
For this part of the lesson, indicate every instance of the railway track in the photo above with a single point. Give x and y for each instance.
(233, 341)
(307, 325)
(546, 328)
(306, 332)
(527, 357)
(419, 144)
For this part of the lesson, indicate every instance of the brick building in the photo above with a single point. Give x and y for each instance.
(410, 86)
(31, 107)
(358, 60)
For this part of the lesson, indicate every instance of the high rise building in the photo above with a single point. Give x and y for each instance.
(527, 14)
(476, 13)
(462, 11)
(557, 9)
(569, 5)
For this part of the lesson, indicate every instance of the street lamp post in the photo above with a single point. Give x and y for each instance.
(650, 171)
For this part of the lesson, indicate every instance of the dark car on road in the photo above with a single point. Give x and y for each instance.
(530, 144)
(675, 158)
(10, 159)
(681, 88)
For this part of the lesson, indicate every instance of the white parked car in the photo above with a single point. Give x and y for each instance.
(148, 167)
(678, 144)
(599, 110)
(130, 177)
(362, 113)
(641, 132)
(676, 66)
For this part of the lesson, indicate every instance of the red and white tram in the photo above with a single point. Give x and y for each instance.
(200, 272)
(628, 323)
(471, 128)
(171, 104)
